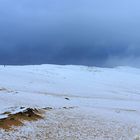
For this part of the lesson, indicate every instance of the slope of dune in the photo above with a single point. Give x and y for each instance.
(96, 103)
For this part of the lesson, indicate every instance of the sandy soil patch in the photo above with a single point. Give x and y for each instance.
(18, 119)
(72, 124)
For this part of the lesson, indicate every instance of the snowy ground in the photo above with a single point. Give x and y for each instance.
(105, 101)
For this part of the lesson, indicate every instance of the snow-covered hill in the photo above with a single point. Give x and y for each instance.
(111, 93)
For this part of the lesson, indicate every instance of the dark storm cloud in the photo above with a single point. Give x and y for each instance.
(89, 32)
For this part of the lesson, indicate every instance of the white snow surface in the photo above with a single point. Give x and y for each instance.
(113, 92)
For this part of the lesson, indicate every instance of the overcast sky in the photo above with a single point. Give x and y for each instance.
(86, 32)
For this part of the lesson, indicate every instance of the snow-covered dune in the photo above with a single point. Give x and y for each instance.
(119, 84)
(113, 92)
